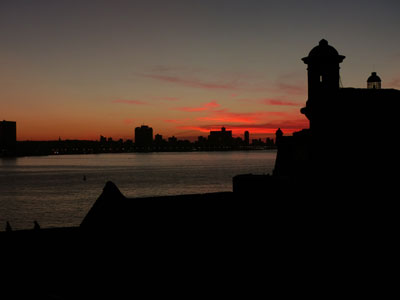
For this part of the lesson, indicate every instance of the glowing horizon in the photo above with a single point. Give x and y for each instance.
(78, 70)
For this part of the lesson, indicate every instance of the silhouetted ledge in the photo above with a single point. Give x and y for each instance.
(114, 211)
(255, 199)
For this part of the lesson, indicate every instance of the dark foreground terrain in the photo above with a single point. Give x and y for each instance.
(215, 245)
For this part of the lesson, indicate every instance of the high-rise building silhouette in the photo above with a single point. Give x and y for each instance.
(143, 137)
(8, 137)
(172, 140)
(221, 138)
(246, 138)
(158, 139)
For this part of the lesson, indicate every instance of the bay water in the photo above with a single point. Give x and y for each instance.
(59, 190)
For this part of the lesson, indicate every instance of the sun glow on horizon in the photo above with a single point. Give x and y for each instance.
(78, 71)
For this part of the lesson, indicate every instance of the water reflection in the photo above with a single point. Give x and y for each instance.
(52, 190)
(8, 161)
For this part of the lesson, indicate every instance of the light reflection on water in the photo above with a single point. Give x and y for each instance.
(52, 189)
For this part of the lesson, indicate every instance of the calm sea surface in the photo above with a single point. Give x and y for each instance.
(52, 189)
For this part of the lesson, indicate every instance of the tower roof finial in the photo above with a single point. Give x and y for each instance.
(323, 42)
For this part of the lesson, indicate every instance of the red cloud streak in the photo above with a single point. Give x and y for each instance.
(267, 128)
(225, 116)
(273, 102)
(279, 102)
(230, 117)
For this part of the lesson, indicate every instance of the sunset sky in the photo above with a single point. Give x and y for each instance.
(81, 69)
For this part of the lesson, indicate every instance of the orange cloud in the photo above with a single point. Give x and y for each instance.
(279, 102)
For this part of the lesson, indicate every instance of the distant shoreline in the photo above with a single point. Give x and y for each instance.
(80, 152)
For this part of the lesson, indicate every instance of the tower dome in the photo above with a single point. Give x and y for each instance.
(323, 50)
(373, 81)
(323, 53)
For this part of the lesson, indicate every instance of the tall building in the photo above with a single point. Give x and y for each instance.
(172, 140)
(143, 137)
(8, 138)
(246, 138)
(221, 138)
(158, 139)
